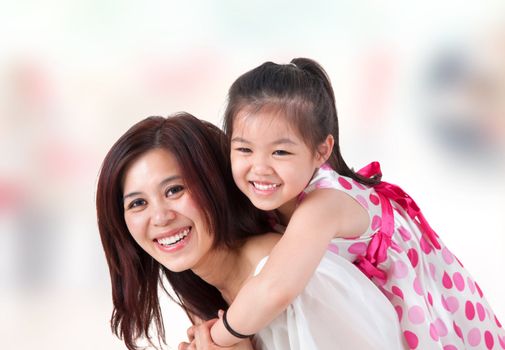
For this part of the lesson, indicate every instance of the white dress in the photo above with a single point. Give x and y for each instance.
(340, 308)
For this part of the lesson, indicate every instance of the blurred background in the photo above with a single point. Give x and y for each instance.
(420, 86)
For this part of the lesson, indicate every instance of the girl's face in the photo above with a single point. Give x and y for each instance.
(160, 213)
(271, 163)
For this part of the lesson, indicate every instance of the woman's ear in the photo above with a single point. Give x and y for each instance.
(324, 150)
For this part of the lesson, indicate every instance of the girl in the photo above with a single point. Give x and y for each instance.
(282, 125)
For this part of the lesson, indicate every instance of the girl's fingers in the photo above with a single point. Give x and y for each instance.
(191, 333)
(183, 346)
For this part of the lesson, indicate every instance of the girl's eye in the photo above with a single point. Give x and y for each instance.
(243, 150)
(281, 152)
(136, 203)
(173, 190)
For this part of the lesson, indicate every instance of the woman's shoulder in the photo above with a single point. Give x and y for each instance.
(257, 247)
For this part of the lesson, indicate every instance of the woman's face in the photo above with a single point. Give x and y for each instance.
(161, 215)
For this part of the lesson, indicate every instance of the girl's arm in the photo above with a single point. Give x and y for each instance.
(322, 215)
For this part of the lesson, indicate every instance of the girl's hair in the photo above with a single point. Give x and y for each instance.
(202, 153)
(301, 91)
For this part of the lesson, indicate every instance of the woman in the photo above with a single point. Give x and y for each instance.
(168, 207)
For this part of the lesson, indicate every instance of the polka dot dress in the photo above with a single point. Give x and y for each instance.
(438, 303)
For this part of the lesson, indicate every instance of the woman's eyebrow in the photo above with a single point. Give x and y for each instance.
(162, 183)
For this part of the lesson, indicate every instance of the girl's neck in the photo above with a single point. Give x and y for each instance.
(227, 270)
(285, 212)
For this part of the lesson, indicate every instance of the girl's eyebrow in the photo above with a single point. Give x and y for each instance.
(162, 183)
(284, 140)
(239, 139)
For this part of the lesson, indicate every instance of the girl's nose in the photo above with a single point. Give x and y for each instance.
(261, 166)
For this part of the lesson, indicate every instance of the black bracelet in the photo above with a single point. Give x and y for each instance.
(231, 330)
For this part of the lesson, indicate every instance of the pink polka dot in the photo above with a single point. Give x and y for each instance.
(430, 299)
(481, 313)
(345, 184)
(376, 222)
(358, 185)
(358, 248)
(457, 330)
(418, 287)
(433, 332)
(459, 281)
(501, 340)
(479, 290)
(497, 322)
(413, 257)
(450, 347)
(399, 312)
(411, 339)
(488, 339)
(387, 293)
(441, 327)
(362, 201)
(374, 199)
(450, 303)
(425, 246)
(404, 233)
(416, 314)
(333, 248)
(471, 285)
(397, 291)
(447, 255)
(446, 281)
(399, 269)
(433, 271)
(474, 337)
(469, 310)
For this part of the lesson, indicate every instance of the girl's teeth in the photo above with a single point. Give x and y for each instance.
(264, 187)
(174, 238)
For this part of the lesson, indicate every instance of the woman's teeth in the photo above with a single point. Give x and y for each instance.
(166, 241)
(264, 187)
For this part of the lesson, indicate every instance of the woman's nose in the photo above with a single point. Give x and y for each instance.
(162, 215)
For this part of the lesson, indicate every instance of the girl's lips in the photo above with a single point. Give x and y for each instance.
(174, 241)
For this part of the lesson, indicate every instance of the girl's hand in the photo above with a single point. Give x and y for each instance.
(199, 339)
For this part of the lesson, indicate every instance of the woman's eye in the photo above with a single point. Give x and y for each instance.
(281, 152)
(136, 203)
(173, 190)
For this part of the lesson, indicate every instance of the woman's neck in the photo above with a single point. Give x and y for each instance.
(227, 270)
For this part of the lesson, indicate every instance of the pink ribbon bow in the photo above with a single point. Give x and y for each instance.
(381, 241)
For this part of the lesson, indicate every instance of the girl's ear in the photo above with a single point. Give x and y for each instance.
(324, 150)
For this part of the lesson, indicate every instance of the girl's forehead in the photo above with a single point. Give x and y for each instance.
(264, 120)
